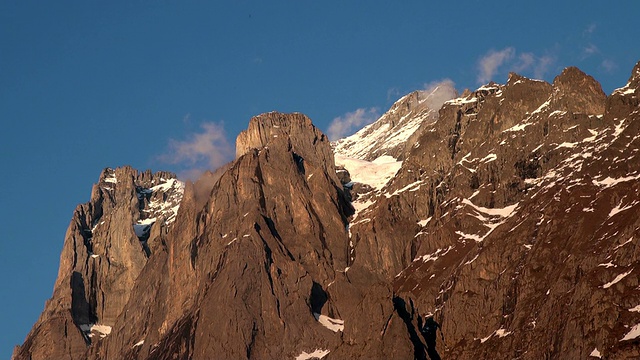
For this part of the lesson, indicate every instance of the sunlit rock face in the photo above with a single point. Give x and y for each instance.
(508, 213)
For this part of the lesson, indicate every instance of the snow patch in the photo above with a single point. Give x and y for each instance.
(609, 181)
(316, 354)
(91, 329)
(623, 244)
(414, 186)
(499, 333)
(607, 265)
(596, 353)
(334, 325)
(566, 145)
(620, 208)
(462, 101)
(435, 255)
(502, 212)
(518, 127)
(472, 260)
(616, 280)
(491, 218)
(542, 107)
(139, 343)
(489, 158)
(111, 179)
(474, 237)
(635, 308)
(633, 333)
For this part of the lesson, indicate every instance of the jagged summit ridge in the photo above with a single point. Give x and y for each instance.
(504, 163)
(511, 219)
(390, 134)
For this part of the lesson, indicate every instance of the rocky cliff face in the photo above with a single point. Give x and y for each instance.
(107, 244)
(509, 214)
(507, 221)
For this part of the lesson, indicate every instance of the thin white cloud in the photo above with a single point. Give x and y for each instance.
(525, 61)
(590, 29)
(393, 94)
(205, 150)
(345, 125)
(438, 92)
(508, 59)
(542, 65)
(589, 50)
(609, 65)
(489, 64)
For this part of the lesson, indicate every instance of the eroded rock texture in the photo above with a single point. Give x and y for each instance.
(512, 219)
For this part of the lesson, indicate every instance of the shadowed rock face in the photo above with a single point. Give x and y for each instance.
(512, 219)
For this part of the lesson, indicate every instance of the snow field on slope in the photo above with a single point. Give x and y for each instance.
(376, 173)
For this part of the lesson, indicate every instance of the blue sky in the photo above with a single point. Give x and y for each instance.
(168, 85)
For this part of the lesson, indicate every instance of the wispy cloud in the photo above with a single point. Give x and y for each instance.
(508, 59)
(589, 29)
(589, 50)
(345, 125)
(542, 65)
(609, 65)
(440, 91)
(489, 64)
(205, 150)
(525, 61)
(393, 94)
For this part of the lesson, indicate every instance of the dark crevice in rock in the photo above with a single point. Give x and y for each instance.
(299, 161)
(275, 234)
(254, 333)
(400, 305)
(455, 136)
(267, 264)
(145, 248)
(193, 252)
(81, 312)
(317, 298)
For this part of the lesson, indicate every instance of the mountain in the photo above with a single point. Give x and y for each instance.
(395, 132)
(508, 214)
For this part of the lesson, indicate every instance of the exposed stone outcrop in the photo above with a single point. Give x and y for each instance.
(512, 219)
(105, 249)
(511, 229)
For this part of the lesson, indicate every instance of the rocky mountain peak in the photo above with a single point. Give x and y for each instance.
(510, 216)
(633, 84)
(515, 77)
(394, 132)
(294, 131)
(577, 92)
(635, 75)
(107, 244)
